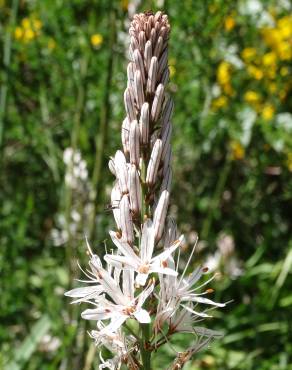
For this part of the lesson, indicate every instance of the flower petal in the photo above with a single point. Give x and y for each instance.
(141, 279)
(120, 262)
(124, 248)
(147, 241)
(142, 316)
(101, 313)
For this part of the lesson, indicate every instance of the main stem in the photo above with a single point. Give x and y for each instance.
(145, 328)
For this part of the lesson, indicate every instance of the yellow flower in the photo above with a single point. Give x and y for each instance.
(172, 70)
(228, 89)
(271, 72)
(18, 33)
(37, 24)
(272, 87)
(268, 112)
(284, 50)
(28, 35)
(269, 59)
(26, 23)
(284, 24)
(96, 40)
(284, 71)
(284, 92)
(272, 37)
(229, 23)
(237, 150)
(255, 72)
(248, 54)
(220, 102)
(51, 43)
(251, 97)
(125, 4)
(224, 73)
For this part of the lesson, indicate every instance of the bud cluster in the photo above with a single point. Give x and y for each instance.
(142, 169)
(138, 283)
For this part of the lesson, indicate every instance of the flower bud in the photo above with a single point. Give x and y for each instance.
(121, 171)
(138, 88)
(134, 143)
(162, 63)
(135, 191)
(115, 203)
(111, 166)
(160, 214)
(154, 162)
(148, 54)
(167, 113)
(126, 220)
(131, 74)
(126, 136)
(142, 40)
(138, 60)
(166, 137)
(157, 103)
(158, 47)
(130, 104)
(144, 124)
(152, 76)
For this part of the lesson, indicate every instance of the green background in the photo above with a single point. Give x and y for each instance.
(232, 163)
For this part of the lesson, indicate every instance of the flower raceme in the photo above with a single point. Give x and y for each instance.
(140, 285)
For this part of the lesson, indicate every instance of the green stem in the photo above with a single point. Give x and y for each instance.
(145, 353)
(6, 62)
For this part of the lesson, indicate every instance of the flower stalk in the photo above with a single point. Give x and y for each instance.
(141, 281)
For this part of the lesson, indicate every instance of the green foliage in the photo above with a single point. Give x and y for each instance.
(62, 80)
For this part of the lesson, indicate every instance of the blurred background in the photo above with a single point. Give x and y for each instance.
(61, 107)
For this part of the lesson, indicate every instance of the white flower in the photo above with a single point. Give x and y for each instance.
(145, 263)
(178, 298)
(122, 305)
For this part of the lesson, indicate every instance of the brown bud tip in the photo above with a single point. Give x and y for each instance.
(210, 290)
(205, 269)
(118, 234)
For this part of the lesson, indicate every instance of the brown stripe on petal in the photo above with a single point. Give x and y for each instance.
(152, 76)
(130, 104)
(157, 103)
(148, 54)
(154, 162)
(138, 60)
(134, 143)
(126, 220)
(138, 88)
(144, 124)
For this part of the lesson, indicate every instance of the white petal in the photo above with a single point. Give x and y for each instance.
(102, 313)
(141, 279)
(142, 316)
(115, 324)
(194, 298)
(200, 314)
(84, 291)
(128, 283)
(121, 262)
(109, 285)
(144, 295)
(163, 270)
(165, 254)
(147, 241)
(124, 248)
